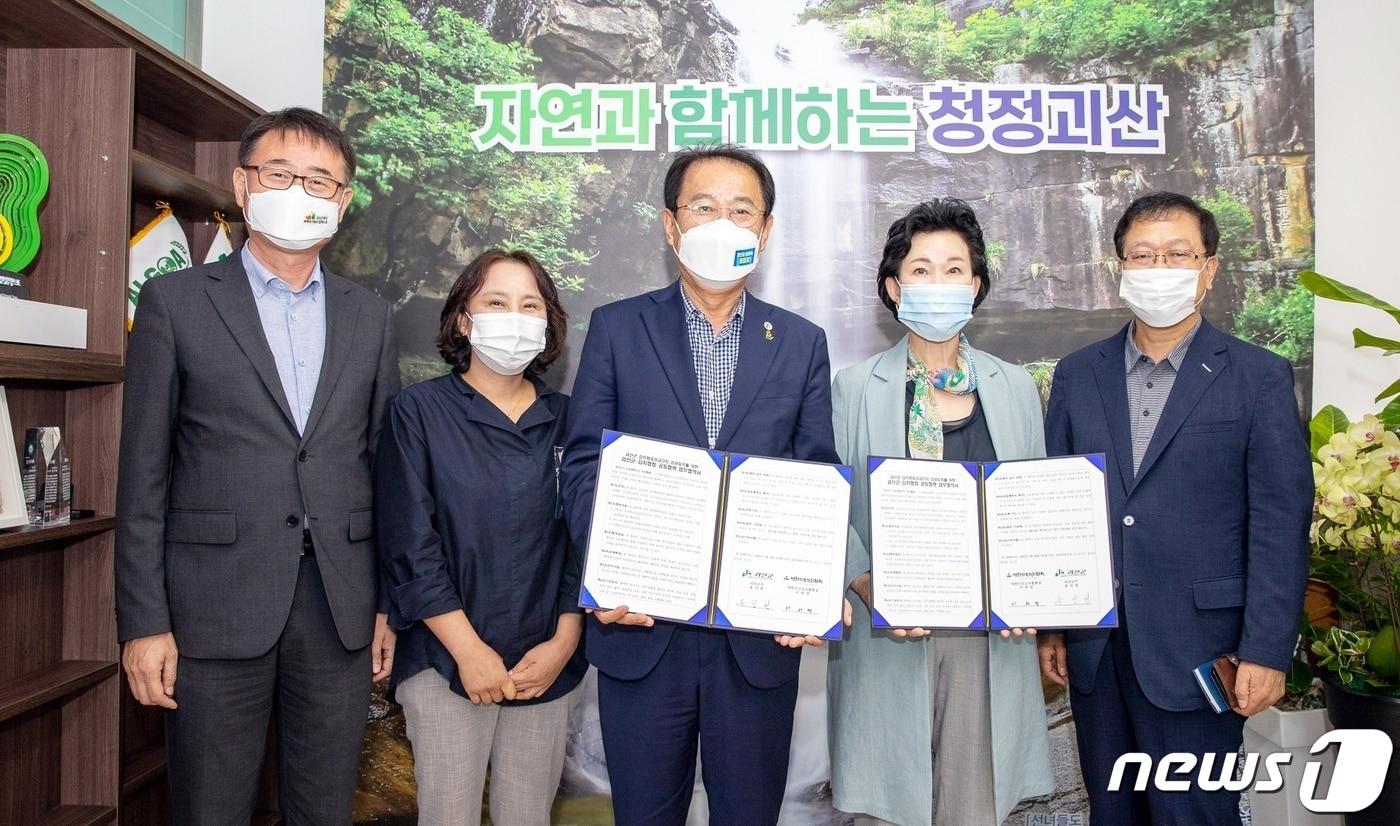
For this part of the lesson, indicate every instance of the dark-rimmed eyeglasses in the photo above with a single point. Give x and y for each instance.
(277, 177)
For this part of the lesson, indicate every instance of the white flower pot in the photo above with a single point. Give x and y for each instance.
(1271, 731)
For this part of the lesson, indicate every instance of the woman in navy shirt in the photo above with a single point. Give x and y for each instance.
(482, 580)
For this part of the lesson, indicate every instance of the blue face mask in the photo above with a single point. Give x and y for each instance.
(935, 312)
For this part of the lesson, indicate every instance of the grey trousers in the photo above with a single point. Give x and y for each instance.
(454, 741)
(960, 710)
(215, 739)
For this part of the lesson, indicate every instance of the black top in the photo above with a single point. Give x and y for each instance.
(964, 440)
(467, 509)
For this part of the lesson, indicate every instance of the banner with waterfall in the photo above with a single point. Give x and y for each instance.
(548, 125)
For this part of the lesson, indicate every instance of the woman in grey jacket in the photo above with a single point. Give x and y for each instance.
(943, 727)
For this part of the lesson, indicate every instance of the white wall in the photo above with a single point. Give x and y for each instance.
(269, 51)
(1358, 118)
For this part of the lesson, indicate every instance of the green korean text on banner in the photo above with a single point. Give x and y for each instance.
(160, 247)
(222, 245)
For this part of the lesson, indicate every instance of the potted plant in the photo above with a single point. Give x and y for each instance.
(1355, 539)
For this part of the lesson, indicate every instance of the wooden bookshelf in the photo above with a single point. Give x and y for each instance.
(58, 366)
(123, 123)
(153, 179)
(55, 534)
(50, 683)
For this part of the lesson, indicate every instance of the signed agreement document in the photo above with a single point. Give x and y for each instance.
(725, 540)
(990, 545)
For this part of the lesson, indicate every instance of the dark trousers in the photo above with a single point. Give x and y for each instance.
(696, 693)
(215, 739)
(1117, 717)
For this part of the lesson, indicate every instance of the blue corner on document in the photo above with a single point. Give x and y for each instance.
(610, 436)
(834, 633)
(721, 621)
(1110, 620)
(875, 462)
(1097, 460)
(997, 622)
(877, 621)
(736, 459)
(586, 599)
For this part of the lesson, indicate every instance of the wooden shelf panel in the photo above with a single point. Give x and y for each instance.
(25, 536)
(79, 816)
(29, 362)
(169, 89)
(34, 689)
(142, 769)
(155, 180)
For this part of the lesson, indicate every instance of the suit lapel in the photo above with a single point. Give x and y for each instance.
(341, 316)
(994, 395)
(1205, 360)
(886, 431)
(1112, 380)
(756, 352)
(665, 326)
(232, 297)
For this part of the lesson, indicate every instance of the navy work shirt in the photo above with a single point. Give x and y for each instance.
(467, 510)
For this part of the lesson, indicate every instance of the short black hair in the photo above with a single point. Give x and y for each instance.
(1156, 206)
(950, 214)
(675, 175)
(303, 122)
(456, 347)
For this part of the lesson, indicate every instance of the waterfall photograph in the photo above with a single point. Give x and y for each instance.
(1232, 82)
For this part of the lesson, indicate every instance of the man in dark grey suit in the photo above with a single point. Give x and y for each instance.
(246, 569)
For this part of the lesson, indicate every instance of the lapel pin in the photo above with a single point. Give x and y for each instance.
(768, 330)
(1207, 367)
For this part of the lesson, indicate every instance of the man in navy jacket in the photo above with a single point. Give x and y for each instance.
(1210, 494)
(700, 362)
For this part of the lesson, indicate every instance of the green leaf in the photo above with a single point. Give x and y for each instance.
(1328, 421)
(1390, 416)
(1324, 287)
(1300, 677)
(1389, 391)
(1360, 338)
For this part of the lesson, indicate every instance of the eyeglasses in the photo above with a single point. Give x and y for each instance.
(275, 177)
(703, 210)
(1143, 259)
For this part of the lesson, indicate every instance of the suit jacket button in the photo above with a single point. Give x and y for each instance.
(293, 520)
(1129, 520)
(301, 457)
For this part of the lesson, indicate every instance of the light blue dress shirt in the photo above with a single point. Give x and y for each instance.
(294, 324)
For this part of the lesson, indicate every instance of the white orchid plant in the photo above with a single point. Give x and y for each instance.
(1356, 523)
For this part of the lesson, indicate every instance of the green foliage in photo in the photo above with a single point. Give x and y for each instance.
(403, 88)
(1278, 319)
(921, 34)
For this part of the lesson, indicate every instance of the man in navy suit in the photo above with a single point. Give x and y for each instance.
(700, 362)
(1210, 493)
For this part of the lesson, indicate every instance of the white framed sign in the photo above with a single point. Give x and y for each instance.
(12, 508)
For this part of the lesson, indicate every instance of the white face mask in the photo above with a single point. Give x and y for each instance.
(290, 218)
(507, 342)
(719, 253)
(1160, 296)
